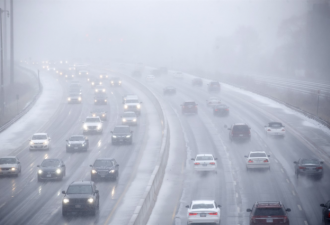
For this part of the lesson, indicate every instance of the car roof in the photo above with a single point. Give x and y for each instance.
(105, 159)
(269, 204)
(77, 135)
(189, 101)
(122, 126)
(239, 124)
(257, 152)
(204, 155)
(51, 159)
(83, 182)
(127, 112)
(8, 156)
(88, 117)
(40, 134)
(132, 97)
(203, 201)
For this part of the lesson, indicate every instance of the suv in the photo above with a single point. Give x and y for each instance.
(81, 196)
(77, 143)
(239, 131)
(326, 212)
(271, 212)
(122, 134)
(189, 107)
(104, 168)
(213, 86)
(132, 104)
(92, 125)
(100, 98)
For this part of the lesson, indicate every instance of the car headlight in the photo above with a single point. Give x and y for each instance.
(58, 171)
(96, 90)
(40, 171)
(31, 143)
(103, 115)
(82, 145)
(114, 136)
(111, 171)
(125, 106)
(68, 144)
(69, 99)
(128, 136)
(134, 120)
(138, 106)
(87, 73)
(94, 172)
(105, 100)
(90, 200)
(119, 81)
(79, 73)
(93, 115)
(85, 127)
(103, 90)
(124, 120)
(79, 99)
(92, 83)
(95, 100)
(65, 201)
(111, 82)
(99, 126)
(13, 169)
(45, 142)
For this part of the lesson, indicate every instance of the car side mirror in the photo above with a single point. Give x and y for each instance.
(63, 165)
(63, 192)
(140, 102)
(265, 126)
(249, 210)
(18, 162)
(268, 155)
(245, 156)
(117, 165)
(215, 158)
(321, 162)
(91, 165)
(111, 131)
(322, 205)
(187, 206)
(288, 210)
(219, 206)
(96, 191)
(192, 159)
(295, 162)
(225, 126)
(49, 138)
(38, 166)
(66, 140)
(229, 128)
(131, 131)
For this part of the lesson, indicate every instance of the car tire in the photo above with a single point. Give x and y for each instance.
(93, 179)
(64, 213)
(93, 212)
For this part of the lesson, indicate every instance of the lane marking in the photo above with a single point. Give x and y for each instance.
(287, 180)
(305, 222)
(236, 195)
(293, 193)
(275, 160)
(282, 170)
(299, 207)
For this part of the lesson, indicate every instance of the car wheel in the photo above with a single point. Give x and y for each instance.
(93, 212)
(64, 213)
(92, 178)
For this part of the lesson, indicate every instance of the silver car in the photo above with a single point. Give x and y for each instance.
(10, 165)
(129, 118)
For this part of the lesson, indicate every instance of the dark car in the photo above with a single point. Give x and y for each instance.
(51, 169)
(100, 98)
(104, 168)
(169, 90)
(213, 86)
(325, 213)
(272, 212)
(310, 167)
(239, 131)
(189, 107)
(81, 196)
(102, 113)
(136, 74)
(220, 110)
(197, 82)
(122, 134)
(115, 82)
(77, 143)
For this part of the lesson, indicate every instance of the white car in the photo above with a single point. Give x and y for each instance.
(205, 162)
(93, 125)
(213, 101)
(275, 129)
(129, 118)
(10, 165)
(40, 141)
(132, 104)
(257, 159)
(203, 211)
(99, 88)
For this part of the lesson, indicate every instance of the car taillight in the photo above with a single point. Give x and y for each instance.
(269, 130)
(301, 167)
(253, 219)
(213, 214)
(266, 160)
(285, 218)
(329, 214)
(192, 214)
(196, 163)
(212, 163)
(250, 161)
(216, 110)
(227, 109)
(283, 129)
(319, 168)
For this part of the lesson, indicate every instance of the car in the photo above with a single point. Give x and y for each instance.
(220, 110)
(197, 82)
(121, 134)
(178, 75)
(92, 125)
(82, 73)
(136, 74)
(75, 83)
(104, 76)
(213, 101)
(77, 143)
(81, 196)
(102, 113)
(68, 74)
(74, 98)
(10, 165)
(115, 82)
(169, 90)
(100, 98)
(75, 90)
(99, 88)
(104, 168)
(309, 167)
(51, 169)
(269, 212)
(132, 104)
(94, 81)
(213, 86)
(325, 212)
(257, 160)
(239, 132)
(189, 107)
(205, 162)
(40, 141)
(275, 129)
(129, 118)
(203, 211)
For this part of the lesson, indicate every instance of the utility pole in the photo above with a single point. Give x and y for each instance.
(2, 97)
(5, 40)
(12, 41)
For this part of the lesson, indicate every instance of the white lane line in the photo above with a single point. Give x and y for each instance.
(306, 222)
(236, 195)
(299, 207)
(238, 209)
(234, 182)
(287, 180)
(276, 161)
(294, 193)
(282, 170)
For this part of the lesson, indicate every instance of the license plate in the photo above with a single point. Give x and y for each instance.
(269, 220)
(203, 214)
(49, 175)
(241, 135)
(204, 164)
(75, 147)
(78, 206)
(102, 175)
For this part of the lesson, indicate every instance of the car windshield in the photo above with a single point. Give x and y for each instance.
(189, 103)
(115, 79)
(132, 101)
(7, 160)
(269, 212)
(241, 128)
(275, 125)
(204, 158)
(94, 120)
(77, 138)
(100, 94)
(79, 189)
(39, 137)
(50, 163)
(221, 106)
(203, 206)
(129, 114)
(103, 163)
(121, 130)
(258, 154)
(98, 111)
(310, 161)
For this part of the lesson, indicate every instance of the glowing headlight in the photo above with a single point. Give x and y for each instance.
(13, 169)
(134, 120)
(90, 200)
(92, 83)
(119, 81)
(124, 120)
(58, 171)
(125, 106)
(114, 136)
(95, 100)
(45, 142)
(94, 171)
(111, 171)
(40, 171)
(85, 127)
(56, 71)
(128, 136)
(100, 83)
(87, 79)
(31, 143)
(79, 73)
(103, 90)
(69, 145)
(105, 100)
(79, 99)
(69, 99)
(111, 82)
(87, 73)
(101, 76)
(93, 115)
(103, 115)
(65, 201)
(138, 106)
(99, 126)
(96, 90)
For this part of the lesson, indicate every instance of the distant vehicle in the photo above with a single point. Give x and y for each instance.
(40, 141)
(93, 125)
(129, 118)
(275, 129)
(325, 212)
(83, 73)
(213, 86)
(213, 101)
(68, 74)
(122, 134)
(94, 81)
(272, 212)
(75, 90)
(189, 107)
(99, 88)
(81, 196)
(51, 169)
(178, 75)
(169, 90)
(205, 162)
(136, 74)
(197, 82)
(74, 98)
(102, 113)
(257, 160)
(104, 76)
(77, 143)
(104, 168)
(203, 211)
(239, 132)
(309, 167)
(75, 84)
(155, 72)
(115, 82)
(132, 104)
(220, 110)
(10, 165)
(100, 98)
(163, 70)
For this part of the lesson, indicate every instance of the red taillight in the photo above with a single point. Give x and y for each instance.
(227, 109)
(269, 130)
(212, 163)
(319, 168)
(285, 218)
(329, 214)
(192, 214)
(213, 214)
(301, 167)
(196, 163)
(216, 110)
(266, 160)
(250, 161)
(283, 129)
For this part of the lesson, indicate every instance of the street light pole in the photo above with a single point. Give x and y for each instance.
(12, 41)
(1, 70)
